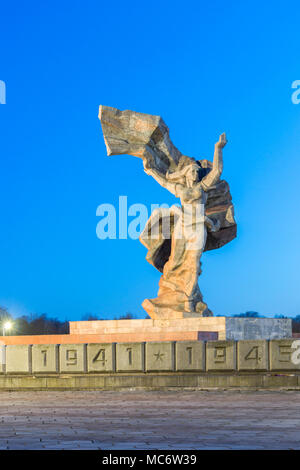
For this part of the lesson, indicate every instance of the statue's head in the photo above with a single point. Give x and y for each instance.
(192, 173)
(189, 172)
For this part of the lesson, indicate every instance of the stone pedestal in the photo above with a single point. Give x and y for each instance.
(176, 329)
(171, 329)
(183, 329)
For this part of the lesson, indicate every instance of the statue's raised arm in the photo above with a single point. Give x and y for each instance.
(213, 177)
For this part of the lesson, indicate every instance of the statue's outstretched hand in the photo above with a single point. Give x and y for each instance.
(222, 141)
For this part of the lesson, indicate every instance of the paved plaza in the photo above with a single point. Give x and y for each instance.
(149, 420)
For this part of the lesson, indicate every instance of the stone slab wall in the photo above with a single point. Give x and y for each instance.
(252, 356)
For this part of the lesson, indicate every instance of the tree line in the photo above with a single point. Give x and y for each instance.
(44, 325)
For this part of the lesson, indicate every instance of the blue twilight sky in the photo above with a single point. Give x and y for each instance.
(206, 67)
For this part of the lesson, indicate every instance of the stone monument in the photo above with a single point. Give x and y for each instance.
(175, 237)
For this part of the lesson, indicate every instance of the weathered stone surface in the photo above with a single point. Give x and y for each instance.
(45, 358)
(190, 355)
(72, 358)
(253, 355)
(18, 359)
(101, 357)
(284, 354)
(130, 357)
(160, 356)
(258, 328)
(220, 355)
(180, 381)
(175, 237)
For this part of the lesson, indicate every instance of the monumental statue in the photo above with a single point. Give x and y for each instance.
(177, 236)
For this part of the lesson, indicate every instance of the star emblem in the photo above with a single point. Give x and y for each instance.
(159, 356)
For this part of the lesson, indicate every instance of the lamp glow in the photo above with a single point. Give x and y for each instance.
(7, 326)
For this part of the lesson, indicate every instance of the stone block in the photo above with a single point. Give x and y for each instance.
(208, 336)
(72, 358)
(137, 331)
(18, 359)
(130, 357)
(160, 356)
(285, 354)
(220, 355)
(258, 328)
(253, 355)
(44, 358)
(190, 355)
(101, 357)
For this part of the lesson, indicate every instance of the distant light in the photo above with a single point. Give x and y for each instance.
(8, 325)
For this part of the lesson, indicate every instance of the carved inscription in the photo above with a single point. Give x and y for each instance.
(100, 357)
(71, 357)
(220, 354)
